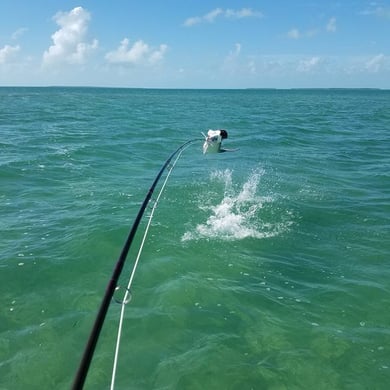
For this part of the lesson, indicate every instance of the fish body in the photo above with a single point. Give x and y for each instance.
(213, 141)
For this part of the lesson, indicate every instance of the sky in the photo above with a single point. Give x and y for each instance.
(195, 43)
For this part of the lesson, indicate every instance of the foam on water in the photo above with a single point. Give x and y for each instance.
(238, 214)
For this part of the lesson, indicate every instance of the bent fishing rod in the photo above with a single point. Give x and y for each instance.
(85, 363)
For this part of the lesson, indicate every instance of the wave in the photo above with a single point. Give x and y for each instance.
(238, 215)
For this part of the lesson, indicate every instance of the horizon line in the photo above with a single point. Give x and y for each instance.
(191, 88)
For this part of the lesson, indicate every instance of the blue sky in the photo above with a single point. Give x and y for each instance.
(195, 43)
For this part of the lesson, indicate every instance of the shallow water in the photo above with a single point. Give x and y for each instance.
(264, 268)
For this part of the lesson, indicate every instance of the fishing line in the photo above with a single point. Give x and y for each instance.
(128, 289)
(113, 282)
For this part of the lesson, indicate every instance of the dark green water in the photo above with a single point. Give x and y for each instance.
(266, 268)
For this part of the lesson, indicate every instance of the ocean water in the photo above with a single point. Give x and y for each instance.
(264, 268)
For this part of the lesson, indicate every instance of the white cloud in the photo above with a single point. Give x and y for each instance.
(242, 13)
(308, 65)
(19, 32)
(192, 21)
(232, 62)
(139, 52)
(219, 12)
(212, 15)
(331, 26)
(125, 55)
(68, 42)
(157, 55)
(380, 12)
(7, 52)
(376, 63)
(294, 33)
(237, 66)
(236, 52)
(252, 67)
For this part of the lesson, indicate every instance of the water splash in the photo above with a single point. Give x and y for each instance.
(238, 214)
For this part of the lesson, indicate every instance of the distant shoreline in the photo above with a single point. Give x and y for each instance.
(201, 89)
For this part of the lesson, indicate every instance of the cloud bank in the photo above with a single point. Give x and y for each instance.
(211, 16)
(139, 53)
(243, 64)
(7, 53)
(69, 44)
(296, 33)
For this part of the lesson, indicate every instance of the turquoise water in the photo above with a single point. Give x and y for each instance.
(264, 268)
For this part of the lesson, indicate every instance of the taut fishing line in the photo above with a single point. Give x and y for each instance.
(127, 294)
(212, 144)
(83, 368)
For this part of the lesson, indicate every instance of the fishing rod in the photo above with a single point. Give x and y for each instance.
(85, 363)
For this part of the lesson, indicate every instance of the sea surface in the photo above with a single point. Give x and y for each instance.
(263, 268)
